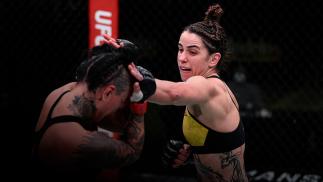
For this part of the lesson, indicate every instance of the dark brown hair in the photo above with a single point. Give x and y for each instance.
(212, 33)
(107, 64)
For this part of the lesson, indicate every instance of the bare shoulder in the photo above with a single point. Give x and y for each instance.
(195, 79)
(200, 82)
(49, 101)
(213, 85)
(55, 93)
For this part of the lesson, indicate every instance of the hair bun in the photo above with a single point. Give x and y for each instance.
(214, 13)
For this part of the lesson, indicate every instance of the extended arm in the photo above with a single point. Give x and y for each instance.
(194, 91)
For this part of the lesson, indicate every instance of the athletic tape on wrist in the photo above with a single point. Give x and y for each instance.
(136, 96)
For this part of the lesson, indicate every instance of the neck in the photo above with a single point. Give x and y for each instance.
(209, 73)
(83, 102)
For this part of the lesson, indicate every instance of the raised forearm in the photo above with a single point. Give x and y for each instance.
(135, 135)
(99, 150)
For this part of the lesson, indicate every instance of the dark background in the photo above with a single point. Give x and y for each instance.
(277, 42)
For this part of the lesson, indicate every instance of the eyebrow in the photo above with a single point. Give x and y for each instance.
(190, 46)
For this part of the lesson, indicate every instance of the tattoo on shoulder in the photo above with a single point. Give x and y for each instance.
(82, 106)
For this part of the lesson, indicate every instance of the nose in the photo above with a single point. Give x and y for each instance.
(181, 57)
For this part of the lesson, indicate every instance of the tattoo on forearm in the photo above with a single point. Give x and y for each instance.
(101, 151)
(98, 150)
(135, 134)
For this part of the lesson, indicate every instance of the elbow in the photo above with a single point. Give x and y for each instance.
(175, 97)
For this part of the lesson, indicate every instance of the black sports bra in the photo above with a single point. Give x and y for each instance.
(40, 169)
(60, 119)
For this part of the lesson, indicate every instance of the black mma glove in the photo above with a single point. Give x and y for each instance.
(131, 49)
(170, 152)
(148, 84)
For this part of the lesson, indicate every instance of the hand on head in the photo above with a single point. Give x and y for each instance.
(143, 76)
(134, 72)
(112, 41)
(146, 85)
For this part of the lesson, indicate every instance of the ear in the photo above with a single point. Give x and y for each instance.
(107, 92)
(215, 58)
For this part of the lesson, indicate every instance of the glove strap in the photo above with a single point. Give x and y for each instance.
(139, 108)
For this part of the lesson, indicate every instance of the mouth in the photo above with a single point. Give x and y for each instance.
(184, 68)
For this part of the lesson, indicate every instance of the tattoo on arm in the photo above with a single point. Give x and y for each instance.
(101, 151)
(135, 134)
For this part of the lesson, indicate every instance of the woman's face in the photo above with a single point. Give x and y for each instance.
(121, 100)
(116, 110)
(192, 56)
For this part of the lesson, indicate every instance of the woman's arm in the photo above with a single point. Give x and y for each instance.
(99, 150)
(194, 91)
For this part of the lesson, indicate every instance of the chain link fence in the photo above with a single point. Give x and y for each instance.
(272, 42)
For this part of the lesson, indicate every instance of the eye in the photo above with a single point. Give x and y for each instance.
(193, 52)
(180, 49)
